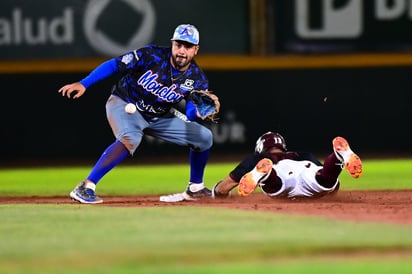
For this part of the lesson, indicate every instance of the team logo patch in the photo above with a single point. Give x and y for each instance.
(187, 85)
(126, 59)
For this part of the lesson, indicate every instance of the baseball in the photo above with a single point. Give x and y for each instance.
(130, 108)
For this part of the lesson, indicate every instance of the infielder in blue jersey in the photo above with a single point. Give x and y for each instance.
(153, 80)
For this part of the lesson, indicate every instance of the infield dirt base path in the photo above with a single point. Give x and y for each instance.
(361, 206)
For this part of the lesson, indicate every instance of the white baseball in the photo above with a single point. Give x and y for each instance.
(130, 108)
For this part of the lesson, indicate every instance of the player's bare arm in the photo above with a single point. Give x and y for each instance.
(77, 89)
(223, 187)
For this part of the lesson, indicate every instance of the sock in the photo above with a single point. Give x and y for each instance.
(272, 184)
(195, 187)
(112, 156)
(198, 161)
(90, 185)
(330, 172)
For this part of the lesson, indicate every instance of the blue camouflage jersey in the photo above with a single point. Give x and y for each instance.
(149, 80)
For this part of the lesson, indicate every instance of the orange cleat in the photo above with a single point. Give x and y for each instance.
(348, 158)
(250, 180)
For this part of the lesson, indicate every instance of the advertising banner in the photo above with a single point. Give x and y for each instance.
(323, 26)
(77, 28)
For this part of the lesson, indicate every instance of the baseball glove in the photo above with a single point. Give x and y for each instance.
(207, 104)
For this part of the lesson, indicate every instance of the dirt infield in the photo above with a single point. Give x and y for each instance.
(360, 206)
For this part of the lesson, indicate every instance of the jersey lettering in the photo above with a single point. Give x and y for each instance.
(142, 106)
(149, 82)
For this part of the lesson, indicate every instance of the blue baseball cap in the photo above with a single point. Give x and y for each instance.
(187, 33)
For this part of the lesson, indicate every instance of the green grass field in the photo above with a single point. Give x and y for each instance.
(74, 238)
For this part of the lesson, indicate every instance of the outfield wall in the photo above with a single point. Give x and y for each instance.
(309, 71)
(309, 105)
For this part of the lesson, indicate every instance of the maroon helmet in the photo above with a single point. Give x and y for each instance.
(269, 140)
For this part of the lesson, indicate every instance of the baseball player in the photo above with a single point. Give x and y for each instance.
(281, 173)
(153, 80)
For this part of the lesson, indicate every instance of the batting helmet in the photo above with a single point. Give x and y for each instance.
(269, 140)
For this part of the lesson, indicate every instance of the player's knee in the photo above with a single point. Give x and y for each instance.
(273, 183)
(325, 181)
(131, 142)
(205, 139)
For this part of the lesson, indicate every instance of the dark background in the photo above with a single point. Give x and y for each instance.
(356, 87)
(369, 106)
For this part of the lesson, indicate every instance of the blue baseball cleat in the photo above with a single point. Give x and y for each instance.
(84, 193)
